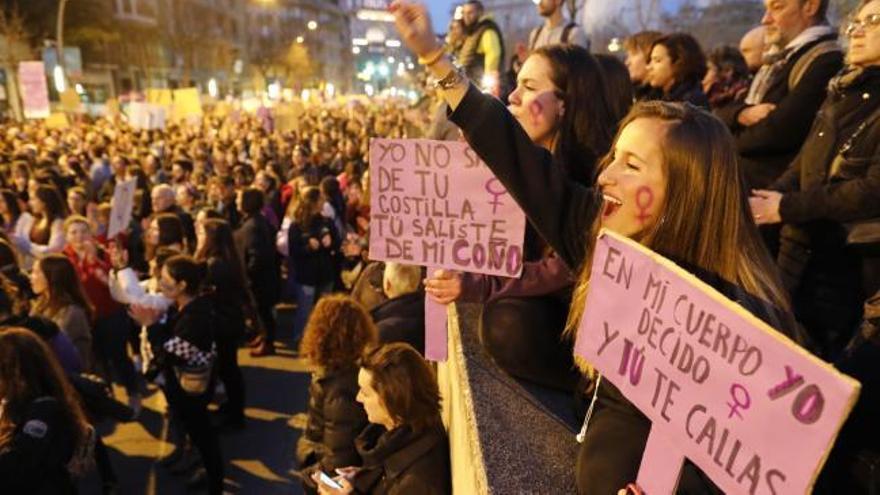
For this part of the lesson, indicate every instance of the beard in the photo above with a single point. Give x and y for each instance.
(470, 29)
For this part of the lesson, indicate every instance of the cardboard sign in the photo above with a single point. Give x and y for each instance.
(57, 121)
(34, 91)
(121, 207)
(436, 328)
(70, 100)
(187, 104)
(757, 413)
(146, 115)
(160, 96)
(435, 203)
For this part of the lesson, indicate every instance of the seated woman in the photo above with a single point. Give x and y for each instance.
(404, 449)
(677, 68)
(44, 436)
(338, 332)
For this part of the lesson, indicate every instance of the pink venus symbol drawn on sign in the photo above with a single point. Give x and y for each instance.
(738, 403)
(496, 193)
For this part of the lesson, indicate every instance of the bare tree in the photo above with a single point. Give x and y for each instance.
(16, 48)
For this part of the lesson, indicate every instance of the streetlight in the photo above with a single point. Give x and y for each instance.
(300, 39)
(312, 25)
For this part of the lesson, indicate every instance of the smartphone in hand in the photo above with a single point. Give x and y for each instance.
(327, 480)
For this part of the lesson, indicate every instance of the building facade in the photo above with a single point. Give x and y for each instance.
(380, 60)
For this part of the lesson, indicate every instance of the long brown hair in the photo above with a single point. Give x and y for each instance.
(405, 384)
(29, 371)
(63, 287)
(705, 223)
(585, 131)
(338, 332)
(308, 207)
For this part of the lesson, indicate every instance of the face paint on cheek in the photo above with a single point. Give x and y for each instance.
(536, 110)
(644, 200)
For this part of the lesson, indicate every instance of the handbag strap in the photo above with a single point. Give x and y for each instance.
(848, 144)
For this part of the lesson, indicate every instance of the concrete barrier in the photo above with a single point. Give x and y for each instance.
(502, 439)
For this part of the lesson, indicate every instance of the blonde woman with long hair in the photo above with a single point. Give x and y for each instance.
(670, 182)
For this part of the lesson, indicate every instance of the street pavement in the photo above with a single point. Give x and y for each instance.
(257, 458)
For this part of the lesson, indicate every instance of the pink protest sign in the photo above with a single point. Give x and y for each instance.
(435, 203)
(436, 321)
(34, 92)
(754, 411)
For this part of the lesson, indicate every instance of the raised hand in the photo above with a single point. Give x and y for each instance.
(414, 25)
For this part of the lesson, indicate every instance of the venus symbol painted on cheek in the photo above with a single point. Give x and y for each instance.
(644, 200)
(536, 109)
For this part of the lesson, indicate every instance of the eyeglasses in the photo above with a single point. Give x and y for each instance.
(871, 21)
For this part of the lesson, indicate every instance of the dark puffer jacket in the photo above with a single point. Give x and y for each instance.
(402, 462)
(335, 420)
(821, 193)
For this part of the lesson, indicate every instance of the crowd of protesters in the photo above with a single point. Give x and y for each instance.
(774, 143)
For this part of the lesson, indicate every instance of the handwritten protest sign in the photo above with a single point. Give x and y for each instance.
(34, 91)
(121, 207)
(436, 203)
(160, 96)
(70, 101)
(146, 115)
(57, 120)
(754, 411)
(187, 104)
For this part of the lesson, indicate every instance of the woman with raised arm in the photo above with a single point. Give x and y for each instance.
(565, 104)
(698, 216)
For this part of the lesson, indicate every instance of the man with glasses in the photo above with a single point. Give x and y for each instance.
(802, 56)
(830, 188)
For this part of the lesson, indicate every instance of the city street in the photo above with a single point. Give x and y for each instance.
(257, 459)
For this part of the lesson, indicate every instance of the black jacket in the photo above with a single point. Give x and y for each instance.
(562, 211)
(335, 420)
(402, 319)
(35, 461)
(186, 337)
(861, 360)
(229, 297)
(822, 193)
(400, 462)
(767, 147)
(688, 92)
(852, 192)
(255, 241)
(189, 227)
(313, 267)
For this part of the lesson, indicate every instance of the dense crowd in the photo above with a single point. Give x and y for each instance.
(774, 143)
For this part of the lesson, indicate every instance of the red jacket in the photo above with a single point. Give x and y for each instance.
(92, 274)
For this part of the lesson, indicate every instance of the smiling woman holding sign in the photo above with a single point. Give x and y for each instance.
(671, 183)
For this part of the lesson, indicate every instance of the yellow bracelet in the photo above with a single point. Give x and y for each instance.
(432, 58)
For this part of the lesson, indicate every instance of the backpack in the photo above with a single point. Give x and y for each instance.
(806, 60)
(566, 32)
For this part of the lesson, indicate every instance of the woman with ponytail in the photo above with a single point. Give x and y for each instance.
(186, 360)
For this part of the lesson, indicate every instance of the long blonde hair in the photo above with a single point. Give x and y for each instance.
(705, 224)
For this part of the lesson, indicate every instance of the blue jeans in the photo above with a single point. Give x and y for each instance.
(305, 301)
